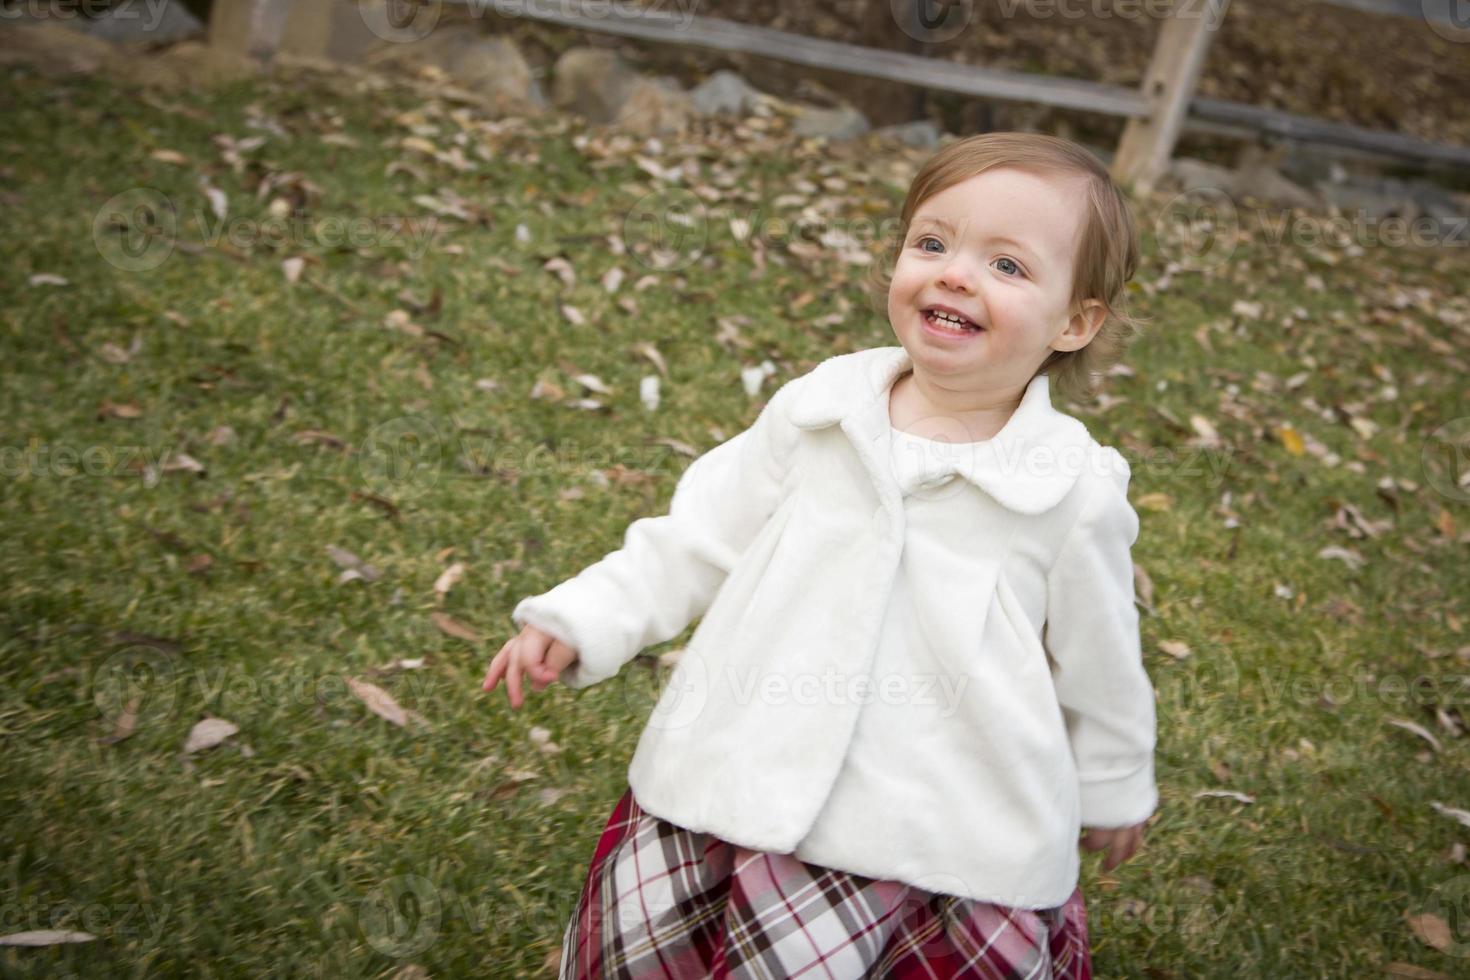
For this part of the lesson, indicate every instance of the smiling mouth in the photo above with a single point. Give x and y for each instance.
(943, 324)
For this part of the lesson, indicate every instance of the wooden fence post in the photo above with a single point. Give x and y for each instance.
(251, 28)
(1179, 54)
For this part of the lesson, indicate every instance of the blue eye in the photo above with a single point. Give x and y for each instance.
(1010, 262)
(926, 238)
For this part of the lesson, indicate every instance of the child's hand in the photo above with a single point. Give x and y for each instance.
(532, 652)
(1120, 843)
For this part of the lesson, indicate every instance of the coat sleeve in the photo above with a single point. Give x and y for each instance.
(670, 566)
(1106, 696)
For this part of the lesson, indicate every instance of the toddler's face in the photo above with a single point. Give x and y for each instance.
(998, 249)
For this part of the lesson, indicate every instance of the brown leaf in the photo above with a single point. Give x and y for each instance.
(46, 937)
(118, 410)
(1156, 501)
(127, 723)
(379, 701)
(1411, 972)
(448, 578)
(1431, 930)
(208, 733)
(455, 628)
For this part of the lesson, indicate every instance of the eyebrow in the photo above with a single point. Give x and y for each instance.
(947, 226)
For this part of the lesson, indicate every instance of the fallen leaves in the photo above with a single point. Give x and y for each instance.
(378, 701)
(448, 579)
(453, 627)
(208, 733)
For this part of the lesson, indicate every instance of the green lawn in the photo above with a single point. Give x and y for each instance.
(141, 595)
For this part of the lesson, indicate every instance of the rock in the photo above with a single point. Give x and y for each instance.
(842, 123)
(1266, 183)
(189, 64)
(55, 50)
(597, 84)
(724, 92)
(592, 82)
(490, 67)
(921, 133)
(1434, 201)
(655, 107)
(1373, 200)
(146, 23)
(1188, 174)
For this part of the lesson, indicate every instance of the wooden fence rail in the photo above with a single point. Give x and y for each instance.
(1156, 113)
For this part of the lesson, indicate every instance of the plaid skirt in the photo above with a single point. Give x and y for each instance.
(662, 901)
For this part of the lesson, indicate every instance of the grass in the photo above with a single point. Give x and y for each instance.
(281, 851)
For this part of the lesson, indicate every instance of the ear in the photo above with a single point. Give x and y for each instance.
(1082, 327)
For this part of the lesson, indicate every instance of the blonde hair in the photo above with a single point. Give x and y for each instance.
(1107, 254)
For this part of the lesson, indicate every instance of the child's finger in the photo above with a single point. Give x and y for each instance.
(496, 670)
(560, 657)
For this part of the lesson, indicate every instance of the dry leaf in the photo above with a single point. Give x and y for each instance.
(563, 270)
(1291, 439)
(1454, 813)
(127, 722)
(378, 701)
(448, 578)
(1347, 556)
(1175, 648)
(573, 315)
(1156, 501)
(170, 156)
(1228, 793)
(649, 351)
(113, 354)
(1417, 729)
(1431, 930)
(292, 268)
(208, 733)
(118, 410)
(182, 462)
(46, 937)
(592, 383)
(1409, 971)
(455, 628)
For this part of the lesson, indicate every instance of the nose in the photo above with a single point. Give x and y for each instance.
(956, 275)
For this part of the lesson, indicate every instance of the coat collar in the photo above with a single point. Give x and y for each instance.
(1028, 467)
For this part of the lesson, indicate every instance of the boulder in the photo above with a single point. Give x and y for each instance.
(592, 82)
(725, 93)
(842, 123)
(598, 85)
(54, 49)
(655, 107)
(1375, 200)
(143, 23)
(488, 66)
(1266, 183)
(921, 133)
